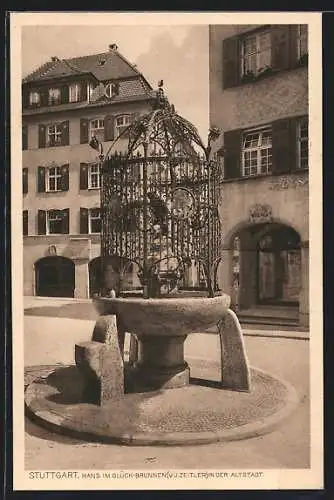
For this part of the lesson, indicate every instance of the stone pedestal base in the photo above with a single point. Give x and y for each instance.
(100, 362)
(160, 363)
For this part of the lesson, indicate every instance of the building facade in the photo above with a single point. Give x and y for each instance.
(65, 103)
(259, 100)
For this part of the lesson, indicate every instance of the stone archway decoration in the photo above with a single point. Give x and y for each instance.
(260, 213)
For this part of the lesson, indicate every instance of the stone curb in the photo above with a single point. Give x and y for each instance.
(53, 422)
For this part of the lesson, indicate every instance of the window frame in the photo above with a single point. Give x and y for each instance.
(302, 122)
(52, 101)
(260, 147)
(94, 218)
(78, 92)
(58, 217)
(257, 53)
(57, 134)
(58, 176)
(99, 129)
(95, 174)
(120, 128)
(36, 94)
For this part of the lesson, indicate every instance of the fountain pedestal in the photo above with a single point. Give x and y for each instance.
(161, 363)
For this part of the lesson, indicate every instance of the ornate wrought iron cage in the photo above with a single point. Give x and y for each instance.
(159, 206)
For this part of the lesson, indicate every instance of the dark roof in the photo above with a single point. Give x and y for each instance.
(115, 66)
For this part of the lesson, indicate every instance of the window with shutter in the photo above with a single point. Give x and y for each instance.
(232, 154)
(109, 126)
(284, 146)
(96, 129)
(83, 130)
(122, 123)
(57, 221)
(83, 220)
(41, 136)
(24, 137)
(231, 62)
(255, 55)
(302, 143)
(41, 180)
(25, 222)
(25, 181)
(94, 220)
(83, 176)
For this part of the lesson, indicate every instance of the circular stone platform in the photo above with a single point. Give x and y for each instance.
(197, 414)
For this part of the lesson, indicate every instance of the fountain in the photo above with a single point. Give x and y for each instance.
(160, 225)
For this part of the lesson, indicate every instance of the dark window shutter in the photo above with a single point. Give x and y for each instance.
(109, 128)
(293, 45)
(231, 62)
(66, 220)
(41, 135)
(65, 133)
(25, 180)
(65, 178)
(25, 222)
(25, 99)
(41, 179)
(41, 223)
(83, 95)
(284, 146)
(83, 220)
(24, 137)
(232, 153)
(83, 131)
(83, 176)
(44, 97)
(280, 46)
(64, 91)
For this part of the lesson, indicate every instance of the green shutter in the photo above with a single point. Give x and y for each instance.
(109, 128)
(65, 133)
(83, 176)
(41, 222)
(65, 177)
(41, 135)
(41, 179)
(280, 46)
(83, 131)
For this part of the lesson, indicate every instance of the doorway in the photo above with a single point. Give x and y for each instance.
(55, 277)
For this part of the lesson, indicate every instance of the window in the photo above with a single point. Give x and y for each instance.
(54, 135)
(75, 94)
(302, 145)
(52, 179)
(94, 176)
(257, 152)
(94, 220)
(96, 128)
(34, 98)
(54, 96)
(112, 89)
(56, 222)
(122, 122)
(302, 42)
(256, 53)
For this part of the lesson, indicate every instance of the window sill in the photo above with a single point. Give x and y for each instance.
(55, 191)
(93, 188)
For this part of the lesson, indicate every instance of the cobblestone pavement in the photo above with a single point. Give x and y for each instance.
(51, 340)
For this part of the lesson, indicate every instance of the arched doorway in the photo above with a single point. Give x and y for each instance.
(278, 266)
(55, 277)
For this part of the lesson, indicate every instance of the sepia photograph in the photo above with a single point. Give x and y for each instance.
(166, 236)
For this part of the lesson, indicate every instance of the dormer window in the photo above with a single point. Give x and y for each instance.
(54, 96)
(112, 89)
(34, 99)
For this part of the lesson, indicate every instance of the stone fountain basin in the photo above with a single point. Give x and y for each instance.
(163, 316)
